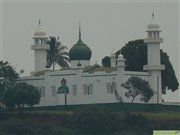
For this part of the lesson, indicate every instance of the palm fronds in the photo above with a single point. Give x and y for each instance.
(57, 54)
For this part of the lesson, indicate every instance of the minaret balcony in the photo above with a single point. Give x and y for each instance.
(153, 40)
(40, 47)
(154, 67)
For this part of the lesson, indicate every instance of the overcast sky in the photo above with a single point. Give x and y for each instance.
(106, 27)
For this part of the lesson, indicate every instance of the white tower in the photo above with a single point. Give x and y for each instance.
(113, 60)
(40, 49)
(154, 66)
(120, 60)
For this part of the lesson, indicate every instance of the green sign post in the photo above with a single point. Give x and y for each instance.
(63, 89)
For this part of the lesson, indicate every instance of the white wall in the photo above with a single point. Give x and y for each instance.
(154, 54)
(40, 59)
(76, 76)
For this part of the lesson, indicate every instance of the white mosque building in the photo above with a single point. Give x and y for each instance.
(91, 84)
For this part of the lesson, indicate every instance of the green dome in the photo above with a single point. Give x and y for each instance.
(80, 51)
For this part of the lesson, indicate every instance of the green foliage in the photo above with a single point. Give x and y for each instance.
(106, 61)
(115, 107)
(8, 75)
(136, 124)
(33, 95)
(136, 120)
(15, 127)
(137, 86)
(169, 79)
(18, 126)
(135, 53)
(88, 121)
(51, 130)
(96, 121)
(21, 94)
(57, 54)
(3, 115)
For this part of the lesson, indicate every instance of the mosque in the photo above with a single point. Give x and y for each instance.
(84, 83)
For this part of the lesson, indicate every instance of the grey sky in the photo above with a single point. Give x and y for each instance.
(106, 26)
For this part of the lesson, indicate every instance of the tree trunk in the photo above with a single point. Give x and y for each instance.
(133, 100)
(53, 66)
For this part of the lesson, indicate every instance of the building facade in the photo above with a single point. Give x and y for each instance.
(91, 84)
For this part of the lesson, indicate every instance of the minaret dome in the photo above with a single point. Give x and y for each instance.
(39, 32)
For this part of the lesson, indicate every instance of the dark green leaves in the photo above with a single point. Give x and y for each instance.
(137, 86)
(21, 94)
(57, 54)
(106, 61)
(8, 75)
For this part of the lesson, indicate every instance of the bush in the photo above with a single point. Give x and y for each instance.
(15, 127)
(136, 123)
(136, 119)
(19, 126)
(96, 121)
(3, 115)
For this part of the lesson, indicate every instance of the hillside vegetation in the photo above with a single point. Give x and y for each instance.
(87, 120)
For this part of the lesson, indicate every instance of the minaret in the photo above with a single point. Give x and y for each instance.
(40, 48)
(120, 61)
(154, 66)
(113, 60)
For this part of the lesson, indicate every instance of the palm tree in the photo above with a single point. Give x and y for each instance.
(57, 54)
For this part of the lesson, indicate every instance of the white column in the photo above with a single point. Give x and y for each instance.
(113, 60)
(154, 66)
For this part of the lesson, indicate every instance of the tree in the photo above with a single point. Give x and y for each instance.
(119, 99)
(135, 53)
(106, 61)
(21, 94)
(169, 79)
(8, 75)
(57, 54)
(137, 86)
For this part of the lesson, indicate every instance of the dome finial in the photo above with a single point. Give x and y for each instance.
(153, 15)
(79, 30)
(39, 22)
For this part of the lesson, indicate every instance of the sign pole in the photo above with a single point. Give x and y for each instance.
(65, 98)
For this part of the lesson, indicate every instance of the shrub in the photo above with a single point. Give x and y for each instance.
(136, 119)
(135, 123)
(3, 115)
(15, 127)
(95, 120)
